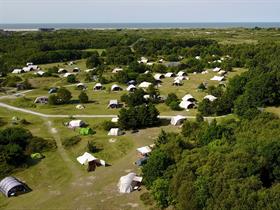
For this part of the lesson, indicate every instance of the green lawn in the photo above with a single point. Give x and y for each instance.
(60, 184)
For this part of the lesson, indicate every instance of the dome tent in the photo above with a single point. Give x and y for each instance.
(128, 183)
(10, 186)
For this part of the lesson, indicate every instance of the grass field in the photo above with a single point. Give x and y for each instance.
(60, 182)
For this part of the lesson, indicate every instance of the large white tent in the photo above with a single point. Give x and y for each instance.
(210, 98)
(217, 78)
(188, 97)
(186, 104)
(127, 183)
(177, 120)
(115, 132)
(76, 123)
(144, 84)
(144, 150)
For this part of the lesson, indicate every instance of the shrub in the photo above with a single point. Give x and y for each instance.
(71, 79)
(69, 142)
(38, 144)
(174, 105)
(107, 125)
(93, 147)
(83, 97)
(146, 198)
(52, 100)
(24, 102)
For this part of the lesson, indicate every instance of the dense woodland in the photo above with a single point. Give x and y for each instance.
(234, 164)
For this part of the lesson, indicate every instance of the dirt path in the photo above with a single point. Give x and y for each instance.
(69, 163)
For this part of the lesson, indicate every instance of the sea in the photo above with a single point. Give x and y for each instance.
(36, 26)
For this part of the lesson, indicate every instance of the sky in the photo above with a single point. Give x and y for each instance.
(142, 11)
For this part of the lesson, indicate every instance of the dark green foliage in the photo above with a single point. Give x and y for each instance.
(63, 96)
(52, 99)
(11, 81)
(93, 60)
(147, 198)
(134, 99)
(15, 145)
(138, 117)
(145, 78)
(107, 125)
(173, 101)
(72, 141)
(119, 55)
(71, 79)
(93, 147)
(83, 97)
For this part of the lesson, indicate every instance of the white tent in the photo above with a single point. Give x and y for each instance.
(177, 82)
(113, 103)
(146, 72)
(181, 73)
(114, 132)
(17, 71)
(210, 98)
(169, 74)
(143, 60)
(217, 78)
(116, 70)
(158, 76)
(80, 106)
(222, 72)
(85, 158)
(127, 183)
(61, 70)
(97, 86)
(188, 97)
(81, 85)
(186, 104)
(67, 74)
(177, 120)
(76, 123)
(40, 73)
(115, 119)
(131, 88)
(76, 69)
(144, 150)
(216, 69)
(115, 88)
(197, 57)
(144, 84)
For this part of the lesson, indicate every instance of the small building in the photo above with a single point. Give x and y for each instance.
(97, 86)
(188, 97)
(131, 88)
(76, 69)
(115, 132)
(129, 183)
(116, 70)
(169, 74)
(186, 105)
(181, 74)
(41, 100)
(217, 78)
(144, 84)
(159, 76)
(177, 120)
(18, 71)
(81, 86)
(10, 186)
(210, 98)
(116, 88)
(113, 104)
(76, 124)
(62, 71)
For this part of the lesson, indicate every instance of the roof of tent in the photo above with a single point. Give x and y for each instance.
(125, 183)
(144, 150)
(130, 87)
(76, 123)
(85, 158)
(144, 84)
(217, 78)
(9, 183)
(114, 132)
(177, 119)
(169, 74)
(115, 86)
(187, 97)
(210, 98)
(185, 104)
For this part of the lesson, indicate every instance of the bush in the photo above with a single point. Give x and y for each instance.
(174, 105)
(93, 147)
(38, 144)
(69, 142)
(83, 97)
(71, 79)
(52, 100)
(63, 96)
(107, 125)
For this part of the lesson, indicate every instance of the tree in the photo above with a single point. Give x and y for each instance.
(93, 60)
(160, 192)
(134, 99)
(83, 97)
(63, 96)
(52, 99)
(71, 79)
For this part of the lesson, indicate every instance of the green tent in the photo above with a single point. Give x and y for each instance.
(86, 131)
(37, 156)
